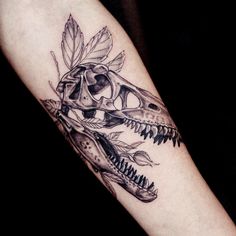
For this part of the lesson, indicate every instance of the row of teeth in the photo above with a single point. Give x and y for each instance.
(159, 133)
(130, 172)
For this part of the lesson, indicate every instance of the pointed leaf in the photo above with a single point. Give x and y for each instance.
(136, 144)
(72, 43)
(98, 47)
(141, 158)
(114, 135)
(117, 63)
(121, 146)
(128, 156)
(94, 123)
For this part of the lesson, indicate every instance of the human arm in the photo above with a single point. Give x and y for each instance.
(176, 173)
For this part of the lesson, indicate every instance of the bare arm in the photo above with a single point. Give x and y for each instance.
(106, 104)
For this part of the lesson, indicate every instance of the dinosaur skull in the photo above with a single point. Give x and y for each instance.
(96, 149)
(83, 88)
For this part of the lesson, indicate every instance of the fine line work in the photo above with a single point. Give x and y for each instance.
(92, 85)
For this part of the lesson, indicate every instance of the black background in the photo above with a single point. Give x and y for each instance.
(188, 51)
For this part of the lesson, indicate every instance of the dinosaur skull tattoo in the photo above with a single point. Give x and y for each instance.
(83, 92)
(149, 118)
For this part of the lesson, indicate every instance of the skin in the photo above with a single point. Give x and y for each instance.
(186, 205)
(85, 141)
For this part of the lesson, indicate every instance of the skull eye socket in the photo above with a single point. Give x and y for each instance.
(102, 88)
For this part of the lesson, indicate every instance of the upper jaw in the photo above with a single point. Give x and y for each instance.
(160, 132)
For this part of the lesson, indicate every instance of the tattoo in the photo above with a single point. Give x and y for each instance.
(91, 86)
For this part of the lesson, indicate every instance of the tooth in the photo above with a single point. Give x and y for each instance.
(156, 138)
(130, 174)
(130, 171)
(129, 168)
(160, 129)
(143, 182)
(142, 127)
(150, 134)
(160, 139)
(117, 163)
(133, 124)
(126, 172)
(134, 173)
(154, 131)
(142, 133)
(170, 133)
(165, 139)
(122, 169)
(145, 135)
(146, 183)
(126, 121)
(137, 179)
(126, 164)
(174, 134)
(129, 122)
(174, 141)
(178, 142)
(165, 130)
(120, 165)
(151, 187)
(140, 179)
(148, 128)
(137, 127)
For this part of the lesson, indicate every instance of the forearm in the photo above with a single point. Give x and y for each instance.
(184, 205)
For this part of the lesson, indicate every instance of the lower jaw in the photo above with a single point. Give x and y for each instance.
(139, 194)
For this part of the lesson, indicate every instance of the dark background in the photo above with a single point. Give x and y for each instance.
(188, 51)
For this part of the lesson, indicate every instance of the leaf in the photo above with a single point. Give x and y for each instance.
(136, 144)
(51, 106)
(72, 43)
(141, 158)
(128, 156)
(117, 63)
(114, 135)
(98, 47)
(121, 146)
(94, 123)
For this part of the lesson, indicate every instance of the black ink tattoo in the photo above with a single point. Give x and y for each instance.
(83, 92)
